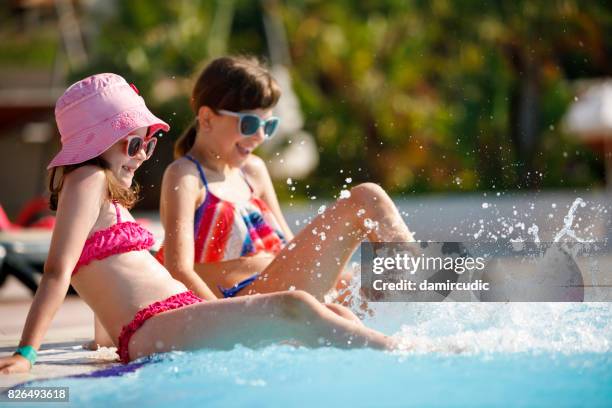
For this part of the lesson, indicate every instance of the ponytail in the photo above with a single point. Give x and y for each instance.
(185, 142)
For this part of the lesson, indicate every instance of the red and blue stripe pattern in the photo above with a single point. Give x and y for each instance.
(224, 230)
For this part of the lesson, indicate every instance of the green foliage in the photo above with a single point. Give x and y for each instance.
(416, 95)
(27, 50)
(422, 92)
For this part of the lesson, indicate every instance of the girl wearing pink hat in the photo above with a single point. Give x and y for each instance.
(224, 228)
(107, 132)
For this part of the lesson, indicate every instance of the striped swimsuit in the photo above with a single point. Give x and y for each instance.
(225, 230)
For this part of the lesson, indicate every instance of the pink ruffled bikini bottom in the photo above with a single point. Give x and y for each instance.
(173, 302)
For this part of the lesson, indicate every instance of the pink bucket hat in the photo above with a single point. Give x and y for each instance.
(95, 113)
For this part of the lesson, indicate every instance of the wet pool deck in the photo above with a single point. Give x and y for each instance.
(61, 353)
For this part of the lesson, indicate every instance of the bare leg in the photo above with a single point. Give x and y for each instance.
(316, 257)
(344, 312)
(252, 321)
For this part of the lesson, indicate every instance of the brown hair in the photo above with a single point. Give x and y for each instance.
(127, 197)
(231, 83)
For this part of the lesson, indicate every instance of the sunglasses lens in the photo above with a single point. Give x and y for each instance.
(134, 145)
(151, 147)
(249, 125)
(270, 127)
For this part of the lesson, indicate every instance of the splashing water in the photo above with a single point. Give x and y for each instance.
(568, 222)
(484, 328)
(533, 231)
(344, 194)
(518, 224)
(370, 224)
(481, 328)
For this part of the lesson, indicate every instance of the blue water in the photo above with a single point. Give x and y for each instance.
(454, 354)
(285, 376)
(479, 355)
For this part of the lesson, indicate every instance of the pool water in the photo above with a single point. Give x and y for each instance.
(460, 354)
(453, 354)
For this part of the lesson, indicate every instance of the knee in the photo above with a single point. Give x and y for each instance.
(297, 305)
(369, 194)
(337, 309)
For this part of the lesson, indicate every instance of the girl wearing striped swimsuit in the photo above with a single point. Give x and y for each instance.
(225, 233)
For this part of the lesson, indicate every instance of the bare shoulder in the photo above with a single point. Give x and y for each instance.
(181, 179)
(182, 171)
(257, 173)
(180, 167)
(85, 186)
(254, 162)
(90, 177)
(256, 168)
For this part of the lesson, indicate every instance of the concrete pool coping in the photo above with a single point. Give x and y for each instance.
(62, 353)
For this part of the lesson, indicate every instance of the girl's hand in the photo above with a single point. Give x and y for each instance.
(14, 364)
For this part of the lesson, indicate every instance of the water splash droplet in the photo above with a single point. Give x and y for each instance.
(344, 194)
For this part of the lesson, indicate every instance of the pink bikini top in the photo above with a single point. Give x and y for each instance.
(117, 239)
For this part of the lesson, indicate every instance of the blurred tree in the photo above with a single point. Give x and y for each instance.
(445, 92)
(417, 95)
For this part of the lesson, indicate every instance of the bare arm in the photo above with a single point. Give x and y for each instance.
(258, 174)
(78, 209)
(178, 204)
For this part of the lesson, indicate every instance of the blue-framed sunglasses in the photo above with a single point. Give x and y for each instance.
(249, 123)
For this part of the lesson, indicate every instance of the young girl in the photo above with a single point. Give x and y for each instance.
(107, 132)
(224, 228)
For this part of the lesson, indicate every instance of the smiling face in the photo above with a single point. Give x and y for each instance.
(122, 165)
(222, 137)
